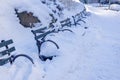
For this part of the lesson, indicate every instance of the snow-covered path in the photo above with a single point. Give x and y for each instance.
(101, 58)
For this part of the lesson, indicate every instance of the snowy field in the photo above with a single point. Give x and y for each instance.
(86, 54)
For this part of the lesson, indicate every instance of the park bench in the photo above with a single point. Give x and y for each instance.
(76, 20)
(40, 37)
(7, 51)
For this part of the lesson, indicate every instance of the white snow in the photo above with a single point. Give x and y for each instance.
(115, 7)
(86, 54)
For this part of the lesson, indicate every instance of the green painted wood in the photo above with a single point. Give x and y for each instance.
(41, 30)
(42, 35)
(5, 43)
(4, 61)
(8, 51)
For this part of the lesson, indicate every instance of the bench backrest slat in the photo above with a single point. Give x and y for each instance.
(7, 51)
(42, 35)
(5, 43)
(41, 30)
(4, 61)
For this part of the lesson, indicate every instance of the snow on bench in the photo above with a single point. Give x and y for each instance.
(10, 58)
(40, 39)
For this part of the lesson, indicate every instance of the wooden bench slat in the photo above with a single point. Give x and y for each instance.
(41, 30)
(42, 35)
(7, 51)
(65, 20)
(5, 43)
(4, 61)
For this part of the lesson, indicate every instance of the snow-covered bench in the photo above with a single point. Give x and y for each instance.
(7, 51)
(40, 35)
(75, 20)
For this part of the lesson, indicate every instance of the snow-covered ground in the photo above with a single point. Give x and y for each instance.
(86, 54)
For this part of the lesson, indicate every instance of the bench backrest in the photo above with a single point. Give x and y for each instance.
(5, 43)
(42, 33)
(66, 22)
(7, 49)
(41, 30)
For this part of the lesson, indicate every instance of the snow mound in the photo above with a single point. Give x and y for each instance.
(73, 5)
(115, 7)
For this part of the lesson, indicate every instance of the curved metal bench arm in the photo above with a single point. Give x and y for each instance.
(14, 57)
